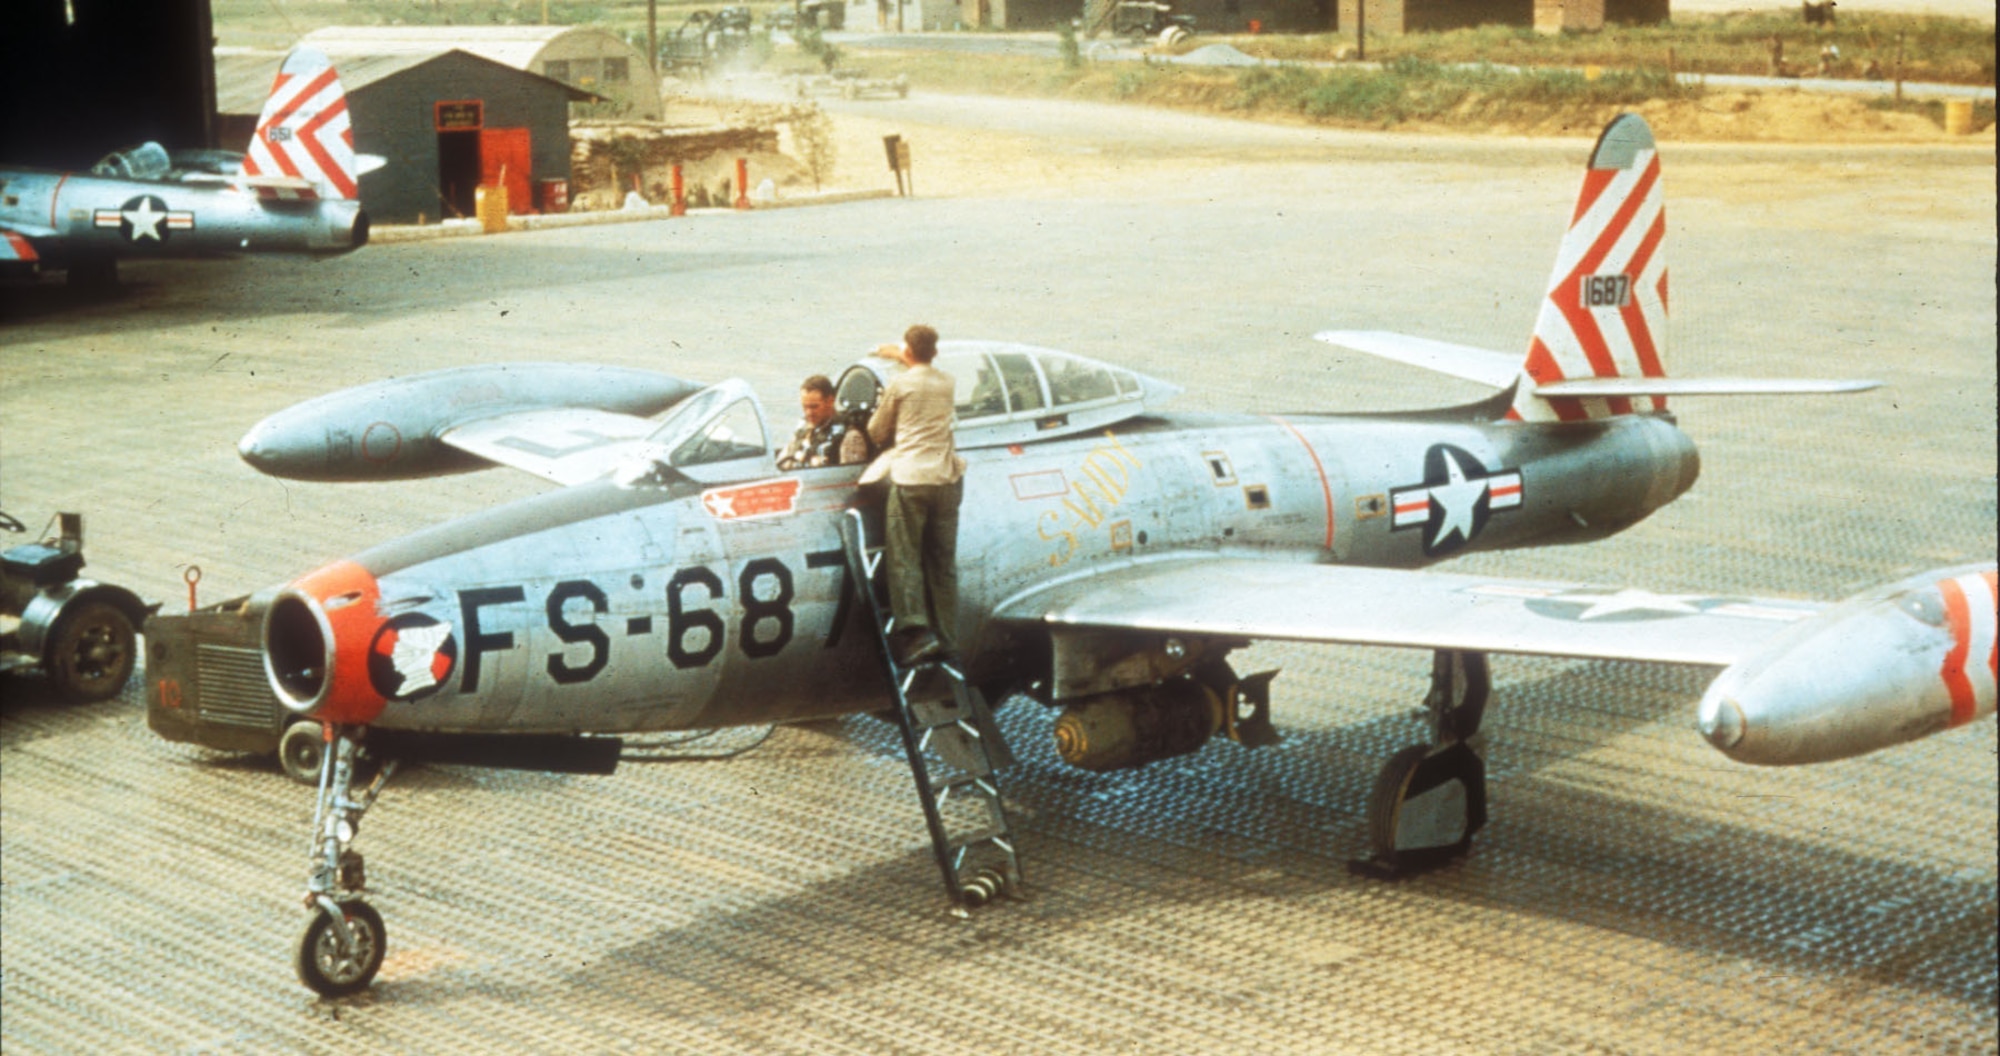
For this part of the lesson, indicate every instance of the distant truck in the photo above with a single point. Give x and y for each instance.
(205, 685)
(77, 631)
(707, 40)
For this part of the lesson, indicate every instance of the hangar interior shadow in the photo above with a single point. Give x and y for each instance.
(1281, 824)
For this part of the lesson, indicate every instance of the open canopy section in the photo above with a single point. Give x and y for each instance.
(1010, 393)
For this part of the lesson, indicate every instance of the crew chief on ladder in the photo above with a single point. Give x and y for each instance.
(925, 485)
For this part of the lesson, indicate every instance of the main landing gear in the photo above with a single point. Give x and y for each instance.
(341, 947)
(1431, 798)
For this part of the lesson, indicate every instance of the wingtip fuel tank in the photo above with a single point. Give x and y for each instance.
(393, 430)
(1888, 666)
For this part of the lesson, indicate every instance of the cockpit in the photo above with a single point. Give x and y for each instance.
(1006, 394)
(1010, 394)
(147, 161)
(716, 434)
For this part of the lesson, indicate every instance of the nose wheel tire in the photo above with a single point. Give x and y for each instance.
(92, 653)
(302, 751)
(326, 968)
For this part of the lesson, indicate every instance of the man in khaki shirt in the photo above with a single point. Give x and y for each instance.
(914, 422)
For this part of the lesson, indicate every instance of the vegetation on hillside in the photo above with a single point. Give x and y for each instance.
(1484, 76)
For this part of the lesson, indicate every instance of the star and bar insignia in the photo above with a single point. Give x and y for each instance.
(145, 218)
(1457, 496)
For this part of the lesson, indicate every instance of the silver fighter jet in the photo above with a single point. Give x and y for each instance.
(679, 580)
(294, 192)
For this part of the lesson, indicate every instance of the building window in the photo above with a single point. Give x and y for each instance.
(556, 69)
(615, 70)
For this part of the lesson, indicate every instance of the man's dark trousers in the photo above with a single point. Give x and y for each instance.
(923, 557)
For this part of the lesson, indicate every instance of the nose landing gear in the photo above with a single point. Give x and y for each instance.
(1431, 798)
(341, 946)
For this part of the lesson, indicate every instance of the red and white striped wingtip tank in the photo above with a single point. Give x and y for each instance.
(1889, 666)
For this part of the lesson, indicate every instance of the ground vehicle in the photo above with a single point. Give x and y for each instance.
(1150, 20)
(819, 14)
(707, 40)
(78, 631)
(205, 685)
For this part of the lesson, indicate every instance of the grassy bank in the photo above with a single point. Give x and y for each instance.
(1947, 50)
(1405, 91)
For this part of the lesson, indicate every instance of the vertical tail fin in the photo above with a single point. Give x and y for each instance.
(303, 147)
(1605, 313)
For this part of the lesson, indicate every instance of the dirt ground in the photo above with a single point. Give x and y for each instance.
(977, 146)
(958, 151)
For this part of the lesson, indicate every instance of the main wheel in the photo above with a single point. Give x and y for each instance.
(322, 966)
(302, 751)
(92, 653)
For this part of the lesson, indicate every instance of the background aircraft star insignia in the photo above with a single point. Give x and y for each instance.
(145, 218)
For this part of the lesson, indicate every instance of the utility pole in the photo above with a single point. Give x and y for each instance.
(1360, 30)
(653, 36)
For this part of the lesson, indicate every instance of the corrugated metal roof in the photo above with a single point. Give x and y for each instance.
(243, 78)
(515, 46)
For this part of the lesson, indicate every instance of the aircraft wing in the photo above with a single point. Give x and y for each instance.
(568, 445)
(1245, 598)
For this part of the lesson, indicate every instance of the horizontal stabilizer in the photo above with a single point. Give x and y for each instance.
(1606, 387)
(1495, 369)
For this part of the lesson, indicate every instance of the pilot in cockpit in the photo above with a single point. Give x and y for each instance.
(823, 438)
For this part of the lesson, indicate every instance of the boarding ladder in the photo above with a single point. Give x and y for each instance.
(954, 748)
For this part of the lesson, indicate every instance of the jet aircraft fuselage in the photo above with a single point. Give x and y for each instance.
(79, 216)
(676, 605)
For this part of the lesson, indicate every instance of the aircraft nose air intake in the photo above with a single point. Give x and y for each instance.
(298, 653)
(317, 637)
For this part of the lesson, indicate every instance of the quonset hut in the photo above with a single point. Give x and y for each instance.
(445, 121)
(582, 57)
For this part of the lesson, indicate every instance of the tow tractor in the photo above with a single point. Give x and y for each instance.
(77, 631)
(205, 685)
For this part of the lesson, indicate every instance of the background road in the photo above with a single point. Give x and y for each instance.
(1635, 892)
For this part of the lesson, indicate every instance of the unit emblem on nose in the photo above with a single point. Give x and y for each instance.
(742, 502)
(1457, 496)
(411, 656)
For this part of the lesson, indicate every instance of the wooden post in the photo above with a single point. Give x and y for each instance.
(1899, 67)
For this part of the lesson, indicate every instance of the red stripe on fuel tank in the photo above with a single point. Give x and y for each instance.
(1963, 623)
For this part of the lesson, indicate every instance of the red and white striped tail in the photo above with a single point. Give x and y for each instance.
(304, 146)
(1605, 313)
